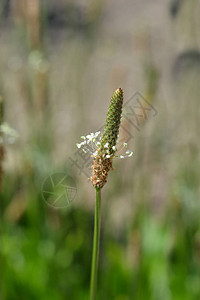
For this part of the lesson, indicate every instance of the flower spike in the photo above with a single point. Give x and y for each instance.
(111, 129)
(103, 148)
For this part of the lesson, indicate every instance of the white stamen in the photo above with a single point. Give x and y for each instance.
(129, 153)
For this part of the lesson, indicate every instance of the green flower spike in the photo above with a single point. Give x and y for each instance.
(102, 162)
(103, 148)
(111, 129)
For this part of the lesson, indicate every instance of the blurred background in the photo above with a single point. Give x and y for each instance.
(60, 62)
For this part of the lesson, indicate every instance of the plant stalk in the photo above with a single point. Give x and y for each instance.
(96, 242)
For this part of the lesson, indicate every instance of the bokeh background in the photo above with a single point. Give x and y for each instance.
(60, 62)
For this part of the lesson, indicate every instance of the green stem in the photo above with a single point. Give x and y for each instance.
(96, 242)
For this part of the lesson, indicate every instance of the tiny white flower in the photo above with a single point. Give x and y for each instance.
(78, 145)
(129, 153)
(106, 145)
(125, 145)
(114, 148)
(121, 156)
(107, 156)
(97, 133)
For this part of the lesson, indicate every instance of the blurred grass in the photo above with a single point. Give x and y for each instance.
(59, 67)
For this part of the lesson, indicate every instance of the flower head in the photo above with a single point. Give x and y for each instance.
(103, 147)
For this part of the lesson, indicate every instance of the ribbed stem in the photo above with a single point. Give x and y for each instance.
(96, 242)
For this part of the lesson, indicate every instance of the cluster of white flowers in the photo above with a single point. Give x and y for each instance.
(92, 142)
